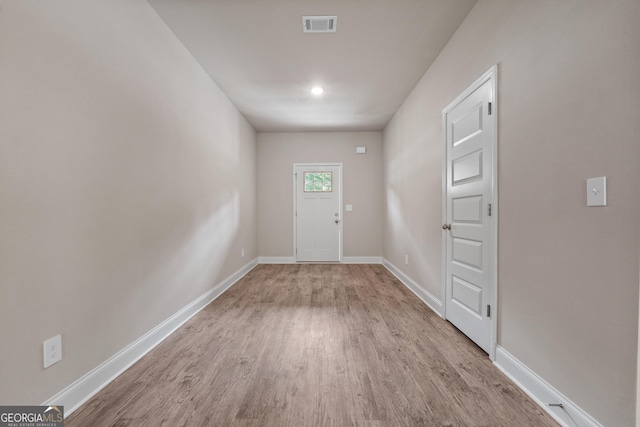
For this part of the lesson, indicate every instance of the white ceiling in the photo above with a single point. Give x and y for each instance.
(256, 52)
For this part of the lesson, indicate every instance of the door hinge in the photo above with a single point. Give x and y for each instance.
(489, 108)
(489, 209)
(488, 310)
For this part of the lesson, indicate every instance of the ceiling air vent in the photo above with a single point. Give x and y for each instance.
(319, 24)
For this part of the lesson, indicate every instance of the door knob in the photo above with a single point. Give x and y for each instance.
(446, 227)
(337, 221)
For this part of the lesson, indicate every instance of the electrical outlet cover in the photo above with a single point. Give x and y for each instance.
(52, 351)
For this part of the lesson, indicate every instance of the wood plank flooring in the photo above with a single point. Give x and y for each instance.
(313, 345)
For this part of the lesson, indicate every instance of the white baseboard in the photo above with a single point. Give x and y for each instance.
(570, 415)
(74, 395)
(276, 260)
(431, 301)
(361, 260)
(345, 260)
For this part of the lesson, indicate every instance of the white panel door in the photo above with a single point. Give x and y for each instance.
(469, 212)
(317, 215)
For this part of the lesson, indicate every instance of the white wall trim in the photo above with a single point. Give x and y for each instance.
(345, 260)
(571, 415)
(362, 260)
(276, 260)
(74, 395)
(431, 301)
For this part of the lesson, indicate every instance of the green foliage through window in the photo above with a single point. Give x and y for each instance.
(317, 181)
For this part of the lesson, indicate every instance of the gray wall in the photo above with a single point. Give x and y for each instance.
(127, 185)
(569, 109)
(362, 186)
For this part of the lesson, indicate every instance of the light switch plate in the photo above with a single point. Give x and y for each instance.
(597, 191)
(349, 208)
(361, 150)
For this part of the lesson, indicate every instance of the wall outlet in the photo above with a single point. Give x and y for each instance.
(406, 260)
(52, 351)
(242, 252)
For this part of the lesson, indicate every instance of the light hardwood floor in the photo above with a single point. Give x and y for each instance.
(313, 345)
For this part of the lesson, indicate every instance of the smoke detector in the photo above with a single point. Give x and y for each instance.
(319, 24)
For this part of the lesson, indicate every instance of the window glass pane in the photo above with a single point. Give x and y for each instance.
(318, 181)
(308, 182)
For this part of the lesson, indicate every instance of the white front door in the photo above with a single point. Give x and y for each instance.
(469, 211)
(318, 220)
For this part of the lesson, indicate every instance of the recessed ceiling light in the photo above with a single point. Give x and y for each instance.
(317, 90)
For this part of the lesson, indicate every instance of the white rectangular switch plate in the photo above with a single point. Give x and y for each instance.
(597, 191)
(361, 150)
(52, 351)
(349, 208)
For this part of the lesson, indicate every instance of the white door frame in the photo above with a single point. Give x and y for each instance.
(491, 74)
(295, 206)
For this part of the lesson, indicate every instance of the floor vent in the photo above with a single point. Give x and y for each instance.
(319, 24)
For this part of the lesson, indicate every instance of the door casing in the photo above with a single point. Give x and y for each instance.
(490, 75)
(295, 205)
